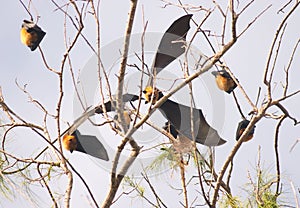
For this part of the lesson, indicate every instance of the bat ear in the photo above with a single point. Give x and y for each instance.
(71, 150)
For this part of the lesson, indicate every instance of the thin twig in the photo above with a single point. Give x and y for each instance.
(284, 6)
(158, 199)
(276, 138)
(183, 183)
(266, 82)
(295, 194)
(47, 187)
(31, 17)
(238, 105)
(288, 68)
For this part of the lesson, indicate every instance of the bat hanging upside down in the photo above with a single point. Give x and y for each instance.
(31, 34)
(180, 116)
(86, 144)
(224, 81)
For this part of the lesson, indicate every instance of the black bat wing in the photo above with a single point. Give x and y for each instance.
(37, 35)
(110, 106)
(242, 126)
(171, 45)
(180, 117)
(91, 145)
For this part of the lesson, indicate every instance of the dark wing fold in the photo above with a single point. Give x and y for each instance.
(171, 45)
(110, 106)
(241, 127)
(179, 116)
(90, 145)
(98, 109)
(39, 33)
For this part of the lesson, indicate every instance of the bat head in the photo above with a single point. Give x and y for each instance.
(69, 142)
(222, 73)
(152, 94)
(27, 24)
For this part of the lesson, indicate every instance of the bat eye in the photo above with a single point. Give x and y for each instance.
(144, 91)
